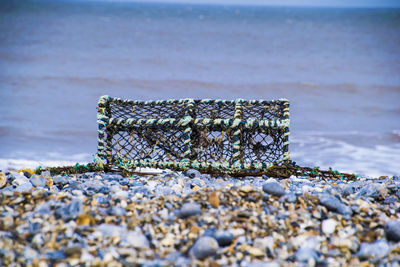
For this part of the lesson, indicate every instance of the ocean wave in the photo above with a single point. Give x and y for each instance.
(327, 152)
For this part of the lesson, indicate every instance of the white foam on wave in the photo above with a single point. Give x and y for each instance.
(326, 152)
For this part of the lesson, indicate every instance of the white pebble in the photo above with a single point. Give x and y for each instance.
(329, 226)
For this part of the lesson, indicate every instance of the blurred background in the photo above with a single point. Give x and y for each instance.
(338, 62)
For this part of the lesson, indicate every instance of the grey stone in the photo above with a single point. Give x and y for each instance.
(19, 179)
(376, 250)
(191, 173)
(273, 188)
(306, 253)
(189, 209)
(25, 187)
(392, 230)
(37, 181)
(34, 227)
(334, 204)
(55, 255)
(111, 230)
(348, 190)
(371, 190)
(390, 200)
(136, 239)
(224, 238)
(205, 247)
(291, 197)
(60, 180)
(70, 211)
(116, 211)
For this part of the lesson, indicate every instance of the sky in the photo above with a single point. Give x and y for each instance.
(320, 3)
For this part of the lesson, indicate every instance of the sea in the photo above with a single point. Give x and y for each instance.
(339, 67)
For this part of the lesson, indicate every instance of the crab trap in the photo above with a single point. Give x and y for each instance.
(237, 136)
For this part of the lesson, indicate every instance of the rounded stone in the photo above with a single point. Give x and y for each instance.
(189, 209)
(377, 250)
(273, 188)
(392, 230)
(205, 247)
(224, 238)
(328, 226)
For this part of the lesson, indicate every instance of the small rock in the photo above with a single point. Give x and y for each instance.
(3, 180)
(274, 188)
(191, 173)
(348, 190)
(205, 247)
(72, 251)
(376, 250)
(37, 181)
(392, 230)
(305, 254)
(214, 199)
(116, 211)
(19, 180)
(374, 191)
(60, 180)
(328, 226)
(136, 239)
(291, 197)
(25, 187)
(224, 238)
(189, 209)
(334, 204)
(70, 211)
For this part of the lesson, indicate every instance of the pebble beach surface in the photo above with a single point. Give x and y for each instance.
(193, 219)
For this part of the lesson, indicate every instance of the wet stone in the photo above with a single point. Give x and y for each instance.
(205, 247)
(392, 230)
(273, 188)
(189, 209)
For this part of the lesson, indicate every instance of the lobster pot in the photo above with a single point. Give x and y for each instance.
(209, 135)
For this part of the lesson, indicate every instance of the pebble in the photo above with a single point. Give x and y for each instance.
(328, 226)
(334, 204)
(306, 254)
(25, 187)
(392, 230)
(189, 209)
(376, 250)
(97, 218)
(37, 181)
(3, 180)
(205, 247)
(274, 188)
(19, 180)
(224, 238)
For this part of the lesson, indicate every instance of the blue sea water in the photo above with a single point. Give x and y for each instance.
(340, 68)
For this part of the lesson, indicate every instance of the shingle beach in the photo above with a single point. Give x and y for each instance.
(193, 219)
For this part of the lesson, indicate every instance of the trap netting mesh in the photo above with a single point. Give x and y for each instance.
(209, 135)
